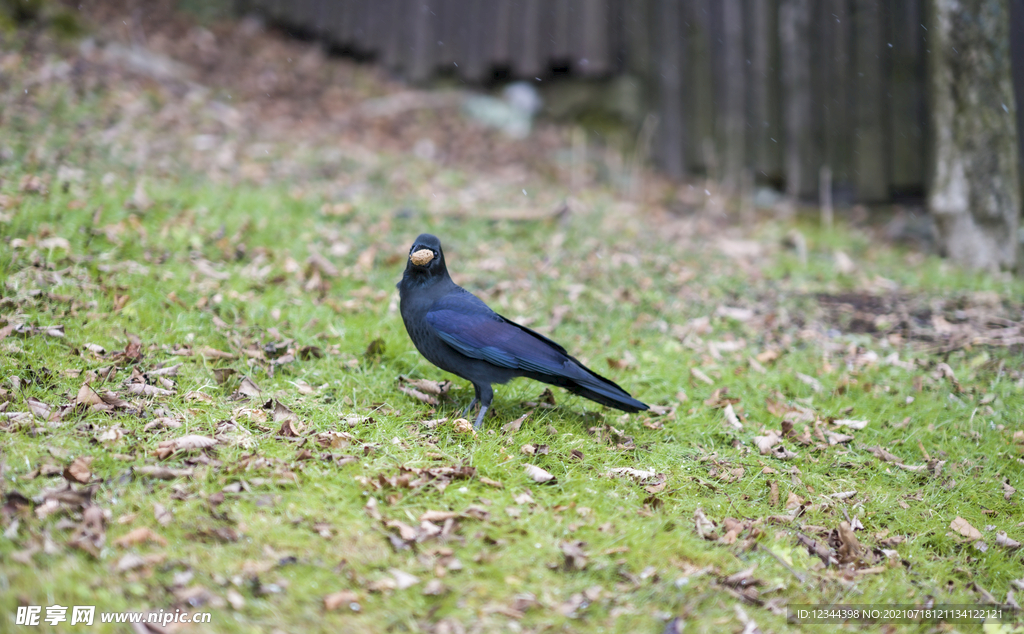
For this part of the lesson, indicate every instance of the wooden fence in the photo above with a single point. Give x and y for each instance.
(776, 88)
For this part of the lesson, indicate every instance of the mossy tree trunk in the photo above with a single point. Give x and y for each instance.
(975, 193)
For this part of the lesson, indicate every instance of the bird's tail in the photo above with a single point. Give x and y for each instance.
(582, 381)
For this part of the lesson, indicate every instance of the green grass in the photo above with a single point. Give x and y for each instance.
(145, 275)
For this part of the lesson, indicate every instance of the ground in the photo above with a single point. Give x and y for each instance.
(209, 402)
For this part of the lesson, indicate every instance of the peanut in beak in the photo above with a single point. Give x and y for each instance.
(422, 257)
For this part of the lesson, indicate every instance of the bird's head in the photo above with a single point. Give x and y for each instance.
(426, 259)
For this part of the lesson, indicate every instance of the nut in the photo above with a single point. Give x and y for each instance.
(422, 257)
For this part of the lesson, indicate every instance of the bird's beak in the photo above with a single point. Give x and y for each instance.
(421, 257)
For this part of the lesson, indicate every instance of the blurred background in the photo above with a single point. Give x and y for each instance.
(779, 103)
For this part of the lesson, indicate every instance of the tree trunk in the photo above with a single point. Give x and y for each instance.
(975, 193)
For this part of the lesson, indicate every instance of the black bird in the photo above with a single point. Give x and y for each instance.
(457, 332)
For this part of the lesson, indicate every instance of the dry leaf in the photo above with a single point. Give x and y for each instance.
(963, 527)
(403, 579)
(419, 396)
(193, 441)
(143, 389)
(87, 396)
(731, 418)
(705, 527)
(700, 376)
(341, 598)
(1004, 540)
(538, 475)
(764, 444)
(575, 558)
(850, 549)
(163, 473)
(139, 536)
(79, 470)
(811, 381)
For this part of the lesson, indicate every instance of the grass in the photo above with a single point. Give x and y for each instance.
(267, 526)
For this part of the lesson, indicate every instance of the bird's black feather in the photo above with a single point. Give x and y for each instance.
(457, 332)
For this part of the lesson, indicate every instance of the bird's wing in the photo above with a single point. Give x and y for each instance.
(478, 332)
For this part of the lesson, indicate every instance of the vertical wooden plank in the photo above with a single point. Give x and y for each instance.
(801, 172)
(699, 101)
(559, 15)
(528, 45)
(669, 55)
(1017, 69)
(591, 56)
(363, 24)
(871, 157)
(765, 138)
(420, 50)
(638, 40)
(444, 45)
(476, 35)
(394, 48)
(732, 119)
(332, 23)
(501, 44)
(837, 108)
(375, 26)
(908, 112)
(820, 69)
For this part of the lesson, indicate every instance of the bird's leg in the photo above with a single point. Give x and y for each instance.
(476, 399)
(485, 394)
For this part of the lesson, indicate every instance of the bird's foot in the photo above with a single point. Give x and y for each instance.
(469, 407)
(480, 417)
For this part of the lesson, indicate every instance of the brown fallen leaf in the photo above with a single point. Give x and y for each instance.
(814, 383)
(852, 424)
(198, 396)
(882, 454)
(38, 408)
(700, 376)
(849, 549)
(437, 516)
(138, 536)
(731, 418)
(79, 470)
(87, 396)
(248, 388)
(213, 354)
(419, 396)
(342, 598)
(704, 526)
(964, 527)
(162, 514)
(403, 579)
(1004, 540)
(142, 389)
(575, 557)
(437, 388)
(192, 441)
(90, 533)
(538, 475)
(765, 443)
(163, 473)
(512, 427)
(221, 375)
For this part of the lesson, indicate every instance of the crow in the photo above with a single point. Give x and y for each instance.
(457, 332)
